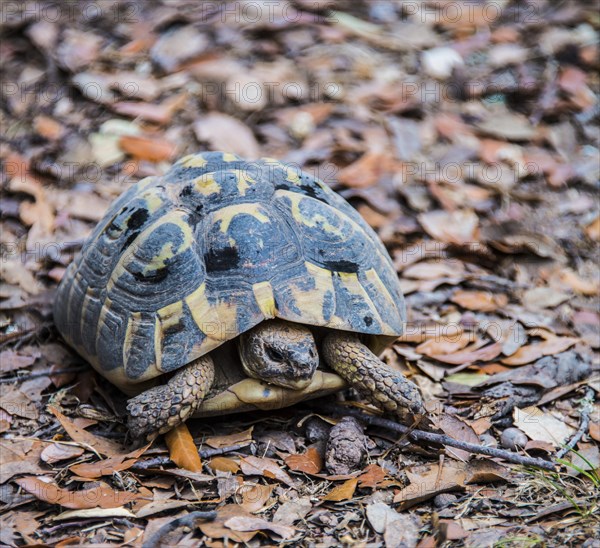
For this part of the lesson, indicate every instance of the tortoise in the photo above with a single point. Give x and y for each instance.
(225, 285)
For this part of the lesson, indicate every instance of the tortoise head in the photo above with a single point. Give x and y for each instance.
(280, 353)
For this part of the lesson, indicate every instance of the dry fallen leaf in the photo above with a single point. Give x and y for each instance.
(245, 523)
(147, 148)
(487, 353)
(252, 497)
(12, 361)
(224, 464)
(56, 452)
(102, 496)
(223, 132)
(430, 480)
(542, 426)
(87, 439)
(256, 466)
(543, 297)
(217, 529)
(109, 466)
(482, 301)
(239, 438)
(345, 491)
(373, 476)
(532, 352)
(457, 227)
(450, 342)
(182, 449)
(458, 430)
(292, 511)
(309, 462)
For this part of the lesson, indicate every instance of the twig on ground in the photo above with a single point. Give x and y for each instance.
(186, 521)
(441, 439)
(210, 452)
(44, 373)
(156, 462)
(586, 409)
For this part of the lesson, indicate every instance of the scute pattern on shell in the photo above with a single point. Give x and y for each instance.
(184, 262)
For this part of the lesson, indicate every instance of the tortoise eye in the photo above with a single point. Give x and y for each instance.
(274, 355)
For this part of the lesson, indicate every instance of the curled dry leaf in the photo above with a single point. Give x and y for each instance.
(182, 449)
(56, 452)
(102, 496)
(252, 497)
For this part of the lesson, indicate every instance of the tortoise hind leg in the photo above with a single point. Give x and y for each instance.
(383, 386)
(163, 407)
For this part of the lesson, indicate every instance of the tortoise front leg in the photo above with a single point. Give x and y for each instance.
(163, 407)
(383, 386)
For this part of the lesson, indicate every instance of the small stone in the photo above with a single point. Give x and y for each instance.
(513, 439)
(316, 430)
(488, 440)
(444, 499)
(440, 62)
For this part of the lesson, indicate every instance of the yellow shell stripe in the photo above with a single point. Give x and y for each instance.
(244, 182)
(263, 293)
(317, 220)
(133, 320)
(193, 160)
(226, 215)
(313, 300)
(218, 322)
(206, 185)
(176, 217)
(352, 284)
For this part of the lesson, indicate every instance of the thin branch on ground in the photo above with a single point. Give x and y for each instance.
(586, 409)
(44, 373)
(441, 439)
(211, 452)
(157, 462)
(186, 521)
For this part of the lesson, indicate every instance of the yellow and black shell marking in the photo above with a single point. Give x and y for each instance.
(184, 262)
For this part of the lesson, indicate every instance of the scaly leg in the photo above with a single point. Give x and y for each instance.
(163, 407)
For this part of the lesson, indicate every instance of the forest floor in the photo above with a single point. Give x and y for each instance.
(464, 132)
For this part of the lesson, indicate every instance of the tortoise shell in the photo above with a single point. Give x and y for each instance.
(184, 262)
